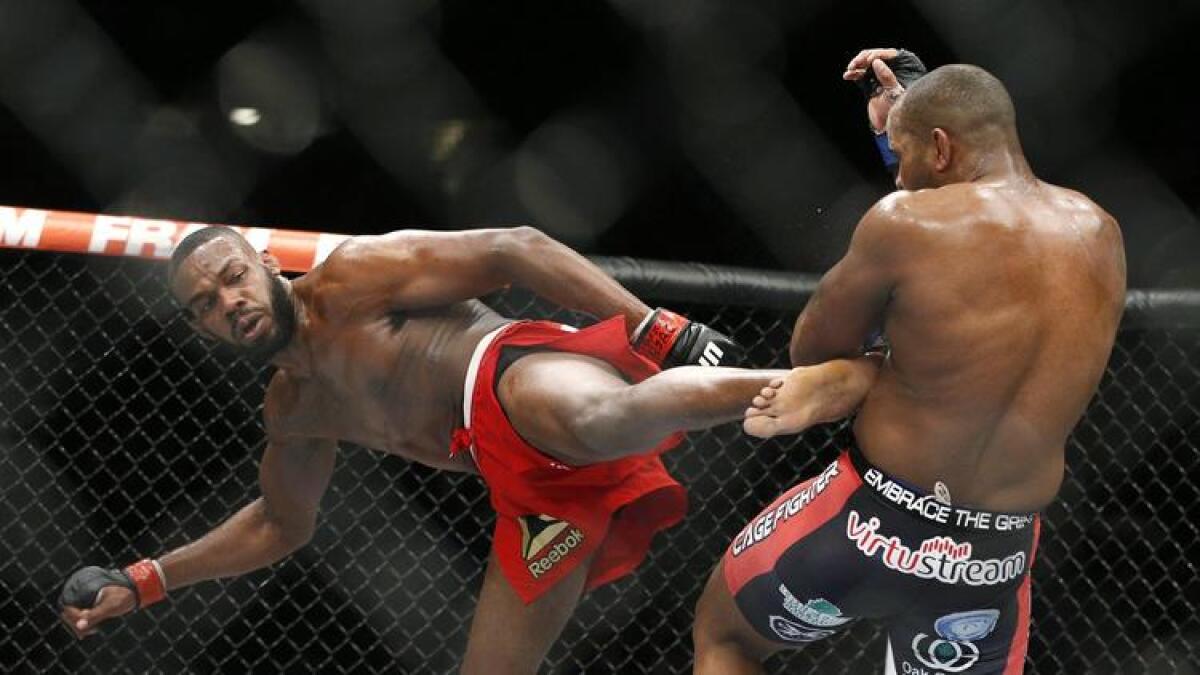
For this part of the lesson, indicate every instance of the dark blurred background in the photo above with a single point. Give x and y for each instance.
(713, 130)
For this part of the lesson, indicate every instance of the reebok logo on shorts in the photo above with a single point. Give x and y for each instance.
(545, 541)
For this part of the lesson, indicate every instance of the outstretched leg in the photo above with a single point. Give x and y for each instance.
(580, 409)
(509, 637)
(810, 395)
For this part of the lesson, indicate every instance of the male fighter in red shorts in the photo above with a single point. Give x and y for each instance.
(385, 345)
(1001, 296)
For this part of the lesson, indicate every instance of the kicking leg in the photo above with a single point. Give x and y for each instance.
(811, 395)
(509, 637)
(582, 411)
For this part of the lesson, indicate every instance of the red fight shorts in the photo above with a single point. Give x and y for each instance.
(550, 517)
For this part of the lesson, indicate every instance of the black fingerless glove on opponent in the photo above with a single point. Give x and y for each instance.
(83, 587)
(671, 340)
(907, 67)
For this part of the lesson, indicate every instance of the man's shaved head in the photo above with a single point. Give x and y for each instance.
(195, 240)
(966, 101)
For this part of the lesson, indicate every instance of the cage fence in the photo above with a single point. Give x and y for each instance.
(124, 435)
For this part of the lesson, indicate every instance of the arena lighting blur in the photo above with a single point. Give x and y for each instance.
(245, 117)
(271, 99)
(447, 137)
(574, 175)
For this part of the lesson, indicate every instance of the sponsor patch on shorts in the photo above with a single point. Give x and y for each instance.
(953, 650)
(818, 612)
(767, 523)
(546, 541)
(940, 558)
(790, 631)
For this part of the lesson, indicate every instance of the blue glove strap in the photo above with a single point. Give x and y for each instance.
(890, 160)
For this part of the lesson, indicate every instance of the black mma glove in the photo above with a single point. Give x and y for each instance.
(906, 65)
(83, 587)
(671, 340)
(906, 68)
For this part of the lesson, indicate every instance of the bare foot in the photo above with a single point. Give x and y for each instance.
(811, 395)
(782, 407)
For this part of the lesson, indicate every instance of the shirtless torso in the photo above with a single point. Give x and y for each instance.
(1001, 318)
(382, 378)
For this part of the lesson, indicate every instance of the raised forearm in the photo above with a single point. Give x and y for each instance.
(537, 262)
(251, 539)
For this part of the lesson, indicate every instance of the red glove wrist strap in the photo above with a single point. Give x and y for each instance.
(660, 336)
(145, 577)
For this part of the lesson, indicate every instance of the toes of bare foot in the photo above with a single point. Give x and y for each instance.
(776, 383)
(760, 402)
(754, 412)
(768, 393)
(761, 426)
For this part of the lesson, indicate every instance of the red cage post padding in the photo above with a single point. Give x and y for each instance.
(154, 238)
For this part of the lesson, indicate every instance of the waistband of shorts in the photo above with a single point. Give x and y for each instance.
(473, 370)
(918, 503)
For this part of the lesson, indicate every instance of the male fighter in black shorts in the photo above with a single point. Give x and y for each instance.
(385, 345)
(1001, 296)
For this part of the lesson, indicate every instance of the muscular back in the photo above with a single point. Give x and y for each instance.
(1002, 314)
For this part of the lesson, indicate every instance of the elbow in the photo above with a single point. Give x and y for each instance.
(519, 240)
(511, 244)
(513, 247)
(292, 533)
(527, 234)
(296, 536)
(277, 533)
(796, 356)
(800, 347)
(803, 356)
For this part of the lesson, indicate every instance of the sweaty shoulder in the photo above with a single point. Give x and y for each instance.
(349, 256)
(904, 221)
(934, 209)
(353, 277)
(1084, 212)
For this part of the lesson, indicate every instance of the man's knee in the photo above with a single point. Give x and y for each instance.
(598, 421)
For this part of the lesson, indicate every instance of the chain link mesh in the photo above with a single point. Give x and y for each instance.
(124, 435)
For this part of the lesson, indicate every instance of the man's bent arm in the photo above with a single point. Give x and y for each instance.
(293, 476)
(416, 268)
(849, 301)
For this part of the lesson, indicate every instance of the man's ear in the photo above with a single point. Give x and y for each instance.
(943, 151)
(271, 262)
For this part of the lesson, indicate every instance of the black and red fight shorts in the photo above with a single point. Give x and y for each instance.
(550, 516)
(951, 584)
